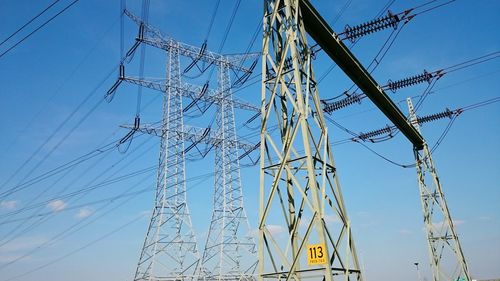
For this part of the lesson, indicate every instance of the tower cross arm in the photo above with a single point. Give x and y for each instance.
(234, 62)
(194, 92)
(193, 134)
(154, 37)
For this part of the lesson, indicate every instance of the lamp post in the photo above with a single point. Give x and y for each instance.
(418, 272)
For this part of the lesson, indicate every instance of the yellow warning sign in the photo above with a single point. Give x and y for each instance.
(316, 254)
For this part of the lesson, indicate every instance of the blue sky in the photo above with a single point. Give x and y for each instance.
(47, 77)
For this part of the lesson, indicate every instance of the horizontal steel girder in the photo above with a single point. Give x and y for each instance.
(323, 34)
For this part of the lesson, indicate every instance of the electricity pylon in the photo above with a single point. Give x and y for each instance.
(170, 250)
(229, 249)
(229, 246)
(446, 257)
(304, 230)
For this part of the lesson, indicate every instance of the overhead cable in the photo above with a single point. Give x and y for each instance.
(38, 28)
(29, 22)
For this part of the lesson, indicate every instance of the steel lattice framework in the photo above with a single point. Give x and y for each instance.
(229, 249)
(304, 230)
(446, 257)
(170, 250)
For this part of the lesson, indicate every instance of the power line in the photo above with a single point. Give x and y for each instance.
(84, 192)
(73, 162)
(86, 204)
(411, 165)
(425, 4)
(145, 18)
(445, 132)
(430, 77)
(476, 105)
(434, 7)
(225, 35)
(481, 104)
(385, 8)
(212, 20)
(87, 98)
(64, 167)
(341, 12)
(340, 126)
(30, 21)
(229, 25)
(78, 192)
(422, 98)
(78, 249)
(473, 62)
(323, 76)
(384, 157)
(38, 28)
(77, 226)
(60, 87)
(476, 77)
(391, 20)
(136, 173)
(71, 230)
(66, 232)
(33, 226)
(94, 165)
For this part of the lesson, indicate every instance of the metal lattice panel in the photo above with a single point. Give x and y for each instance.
(304, 230)
(446, 257)
(229, 250)
(170, 249)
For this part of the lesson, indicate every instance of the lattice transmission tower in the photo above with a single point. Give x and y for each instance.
(446, 257)
(170, 250)
(304, 230)
(229, 249)
(229, 252)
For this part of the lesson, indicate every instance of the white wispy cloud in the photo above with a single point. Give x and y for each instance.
(363, 213)
(8, 205)
(440, 225)
(329, 219)
(57, 205)
(274, 229)
(485, 218)
(405, 232)
(16, 249)
(23, 244)
(10, 258)
(333, 218)
(84, 212)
